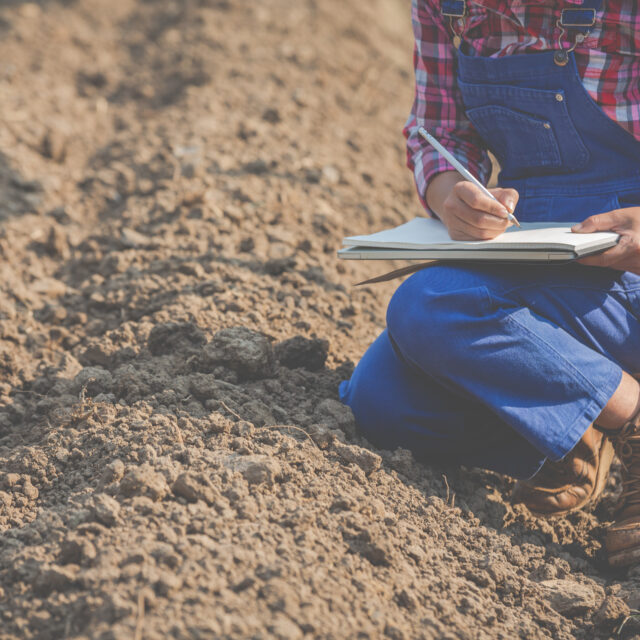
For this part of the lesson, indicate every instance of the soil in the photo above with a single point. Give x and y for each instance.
(175, 178)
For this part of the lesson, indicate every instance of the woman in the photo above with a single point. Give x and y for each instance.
(526, 370)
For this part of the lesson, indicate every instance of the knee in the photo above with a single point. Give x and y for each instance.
(428, 317)
(416, 313)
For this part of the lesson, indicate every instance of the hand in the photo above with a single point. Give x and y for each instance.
(466, 211)
(625, 256)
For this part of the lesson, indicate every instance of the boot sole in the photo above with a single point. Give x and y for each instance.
(606, 455)
(624, 558)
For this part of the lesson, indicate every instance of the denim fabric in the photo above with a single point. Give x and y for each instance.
(502, 366)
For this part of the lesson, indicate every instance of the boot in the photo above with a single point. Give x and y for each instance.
(622, 539)
(571, 483)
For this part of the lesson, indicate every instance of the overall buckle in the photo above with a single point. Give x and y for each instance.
(578, 18)
(453, 8)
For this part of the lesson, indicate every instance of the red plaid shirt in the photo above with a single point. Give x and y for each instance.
(608, 62)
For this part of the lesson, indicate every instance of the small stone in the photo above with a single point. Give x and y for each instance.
(93, 380)
(105, 509)
(144, 481)
(76, 550)
(258, 469)
(113, 472)
(134, 239)
(336, 416)
(257, 167)
(57, 243)
(50, 287)
(54, 578)
(242, 350)
(277, 266)
(209, 287)
(203, 385)
(175, 337)
(194, 269)
(60, 215)
(321, 435)
(54, 145)
(271, 115)
(377, 552)
(217, 423)
(166, 583)
(331, 174)
(367, 460)
(416, 553)
(193, 487)
(11, 480)
(29, 490)
(312, 175)
(257, 412)
(303, 352)
(243, 428)
(567, 597)
(613, 610)
(406, 598)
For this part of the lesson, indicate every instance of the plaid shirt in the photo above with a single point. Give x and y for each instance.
(608, 62)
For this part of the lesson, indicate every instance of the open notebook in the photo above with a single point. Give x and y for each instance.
(428, 239)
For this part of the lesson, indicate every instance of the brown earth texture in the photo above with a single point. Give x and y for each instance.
(175, 178)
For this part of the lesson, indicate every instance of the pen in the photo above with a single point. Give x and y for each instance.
(460, 168)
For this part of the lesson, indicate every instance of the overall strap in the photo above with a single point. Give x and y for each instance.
(454, 10)
(580, 19)
(577, 22)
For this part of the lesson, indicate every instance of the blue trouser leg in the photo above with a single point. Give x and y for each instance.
(536, 350)
(397, 405)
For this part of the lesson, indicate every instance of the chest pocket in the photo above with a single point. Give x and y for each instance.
(529, 130)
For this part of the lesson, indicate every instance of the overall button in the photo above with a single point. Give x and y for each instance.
(561, 58)
(559, 97)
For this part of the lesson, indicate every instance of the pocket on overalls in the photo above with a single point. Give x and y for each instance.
(569, 208)
(518, 140)
(529, 130)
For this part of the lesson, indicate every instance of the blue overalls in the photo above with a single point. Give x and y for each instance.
(502, 366)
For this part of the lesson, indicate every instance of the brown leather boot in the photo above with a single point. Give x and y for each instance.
(622, 539)
(571, 483)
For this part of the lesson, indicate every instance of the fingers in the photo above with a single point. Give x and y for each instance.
(600, 222)
(477, 225)
(626, 249)
(508, 197)
(474, 198)
(470, 214)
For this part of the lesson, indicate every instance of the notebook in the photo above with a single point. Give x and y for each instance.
(428, 239)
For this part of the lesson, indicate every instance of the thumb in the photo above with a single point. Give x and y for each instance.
(599, 222)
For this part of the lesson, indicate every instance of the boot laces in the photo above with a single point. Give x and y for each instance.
(627, 447)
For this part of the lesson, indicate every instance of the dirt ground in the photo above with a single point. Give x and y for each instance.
(175, 178)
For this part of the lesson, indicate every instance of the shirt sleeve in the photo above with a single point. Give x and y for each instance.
(438, 103)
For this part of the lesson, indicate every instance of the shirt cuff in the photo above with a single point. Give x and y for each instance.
(428, 163)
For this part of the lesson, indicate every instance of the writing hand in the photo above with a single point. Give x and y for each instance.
(466, 211)
(625, 256)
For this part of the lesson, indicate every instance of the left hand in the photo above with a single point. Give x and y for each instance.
(625, 256)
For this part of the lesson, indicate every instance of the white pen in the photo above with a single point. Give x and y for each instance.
(461, 168)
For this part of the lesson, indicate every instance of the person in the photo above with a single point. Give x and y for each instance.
(525, 370)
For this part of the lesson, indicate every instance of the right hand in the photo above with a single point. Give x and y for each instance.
(466, 211)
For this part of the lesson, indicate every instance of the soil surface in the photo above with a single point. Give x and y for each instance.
(175, 178)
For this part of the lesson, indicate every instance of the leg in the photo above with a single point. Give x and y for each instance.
(543, 348)
(622, 406)
(579, 478)
(396, 405)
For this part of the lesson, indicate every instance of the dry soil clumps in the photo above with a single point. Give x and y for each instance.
(175, 178)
